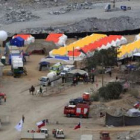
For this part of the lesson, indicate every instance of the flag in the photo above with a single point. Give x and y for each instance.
(77, 126)
(19, 126)
(41, 123)
(137, 105)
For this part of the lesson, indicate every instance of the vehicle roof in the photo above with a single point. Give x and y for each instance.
(82, 105)
(104, 132)
(43, 128)
(68, 66)
(71, 106)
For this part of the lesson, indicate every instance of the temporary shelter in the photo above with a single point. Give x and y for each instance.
(18, 41)
(76, 55)
(133, 112)
(28, 39)
(58, 39)
(80, 44)
(128, 50)
(54, 60)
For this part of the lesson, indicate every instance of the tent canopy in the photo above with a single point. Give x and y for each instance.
(18, 41)
(75, 71)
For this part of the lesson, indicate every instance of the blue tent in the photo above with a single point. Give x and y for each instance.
(18, 41)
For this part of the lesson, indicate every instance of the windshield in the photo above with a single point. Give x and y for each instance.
(64, 71)
(53, 68)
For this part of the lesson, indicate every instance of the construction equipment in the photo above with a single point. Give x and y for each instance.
(104, 135)
(78, 110)
(58, 133)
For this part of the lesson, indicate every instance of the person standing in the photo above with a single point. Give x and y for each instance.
(4, 98)
(23, 118)
(40, 90)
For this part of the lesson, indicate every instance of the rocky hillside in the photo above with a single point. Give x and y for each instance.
(44, 16)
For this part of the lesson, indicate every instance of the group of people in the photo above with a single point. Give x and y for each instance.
(85, 78)
(32, 90)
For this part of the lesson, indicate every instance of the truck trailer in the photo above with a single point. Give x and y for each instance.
(79, 110)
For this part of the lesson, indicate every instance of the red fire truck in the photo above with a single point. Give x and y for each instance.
(79, 110)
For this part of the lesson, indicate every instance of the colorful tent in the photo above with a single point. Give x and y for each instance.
(80, 44)
(28, 39)
(18, 41)
(58, 39)
(129, 49)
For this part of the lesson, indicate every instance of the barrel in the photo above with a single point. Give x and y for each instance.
(86, 96)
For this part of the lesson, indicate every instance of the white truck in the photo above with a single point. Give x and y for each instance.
(44, 131)
(66, 69)
(51, 76)
(17, 67)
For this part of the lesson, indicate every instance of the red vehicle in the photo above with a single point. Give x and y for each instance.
(79, 110)
(104, 135)
(2, 95)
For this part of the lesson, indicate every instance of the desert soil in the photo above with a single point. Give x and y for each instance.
(49, 106)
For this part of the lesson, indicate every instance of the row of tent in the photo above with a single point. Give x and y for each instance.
(20, 40)
(86, 46)
(130, 49)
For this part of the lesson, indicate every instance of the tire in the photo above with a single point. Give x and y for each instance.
(81, 116)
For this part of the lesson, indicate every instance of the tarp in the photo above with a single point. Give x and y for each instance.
(81, 72)
(114, 120)
(18, 41)
(54, 61)
(121, 120)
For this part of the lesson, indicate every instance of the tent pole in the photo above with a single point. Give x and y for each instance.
(73, 53)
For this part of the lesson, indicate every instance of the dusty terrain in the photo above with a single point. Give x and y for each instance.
(50, 106)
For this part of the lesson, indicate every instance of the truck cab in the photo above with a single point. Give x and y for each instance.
(44, 131)
(104, 135)
(58, 133)
(51, 76)
(58, 67)
(44, 81)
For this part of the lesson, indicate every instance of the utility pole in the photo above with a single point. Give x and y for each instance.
(102, 73)
(113, 3)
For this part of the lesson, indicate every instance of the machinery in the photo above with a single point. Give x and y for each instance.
(78, 110)
(104, 135)
(58, 133)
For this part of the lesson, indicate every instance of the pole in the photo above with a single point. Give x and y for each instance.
(102, 73)
(73, 53)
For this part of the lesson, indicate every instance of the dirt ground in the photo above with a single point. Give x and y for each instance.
(49, 106)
